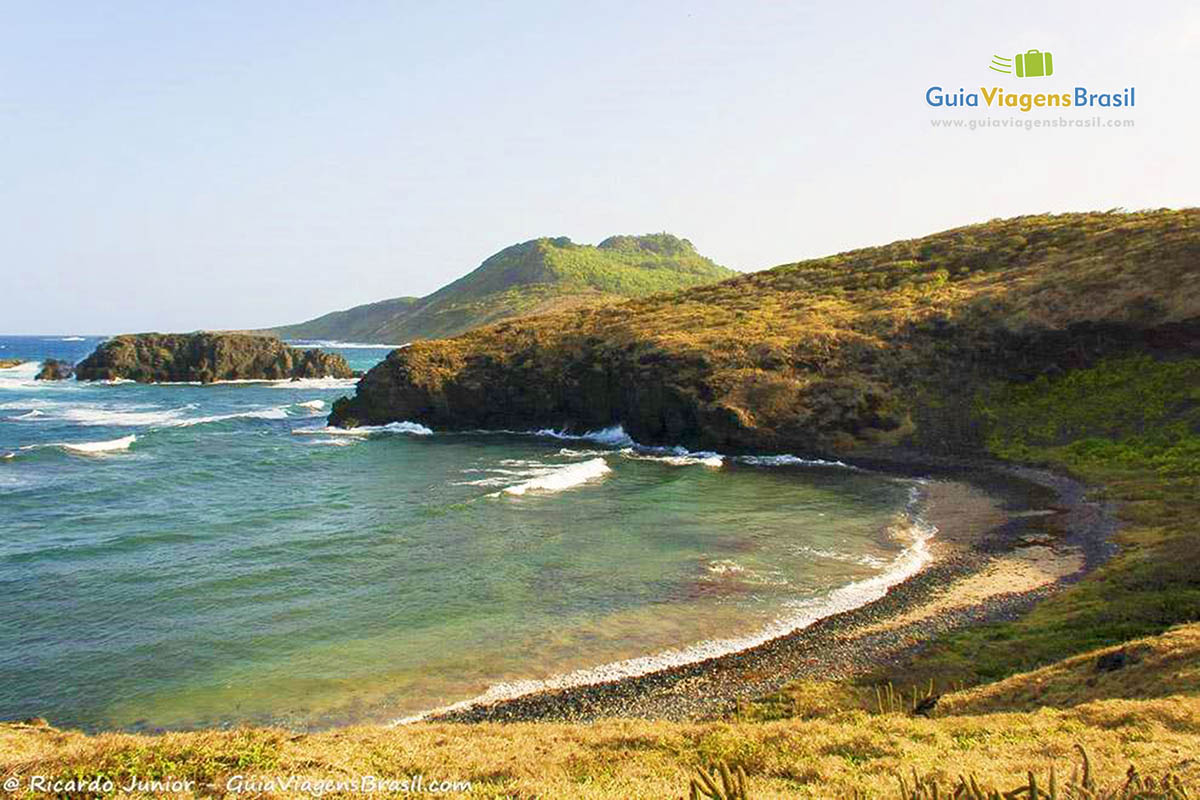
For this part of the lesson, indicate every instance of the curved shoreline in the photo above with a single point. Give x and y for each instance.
(848, 643)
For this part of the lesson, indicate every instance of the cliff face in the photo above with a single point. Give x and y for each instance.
(206, 357)
(894, 345)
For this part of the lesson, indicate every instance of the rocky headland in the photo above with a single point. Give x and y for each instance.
(900, 348)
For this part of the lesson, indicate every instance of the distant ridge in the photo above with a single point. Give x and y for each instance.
(541, 275)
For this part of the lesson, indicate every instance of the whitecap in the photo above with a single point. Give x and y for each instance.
(278, 412)
(675, 456)
(315, 383)
(411, 428)
(788, 460)
(614, 436)
(561, 478)
(29, 415)
(88, 448)
(29, 402)
(315, 405)
(128, 416)
(22, 376)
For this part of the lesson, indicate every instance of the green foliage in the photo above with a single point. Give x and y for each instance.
(1131, 413)
(1131, 424)
(532, 277)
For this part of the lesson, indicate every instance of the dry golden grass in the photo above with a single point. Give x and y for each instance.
(1155, 666)
(817, 758)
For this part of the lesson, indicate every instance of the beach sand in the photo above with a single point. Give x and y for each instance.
(1005, 539)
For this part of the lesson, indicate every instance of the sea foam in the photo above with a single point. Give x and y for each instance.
(787, 460)
(675, 456)
(411, 428)
(798, 616)
(86, 448)
(27, 416)
(125, 417)
(616, 437)
(561, 478)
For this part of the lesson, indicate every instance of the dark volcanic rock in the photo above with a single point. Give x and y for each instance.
(886, 348)
(206, 357)
(54, 370)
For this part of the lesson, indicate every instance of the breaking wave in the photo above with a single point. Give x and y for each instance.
(82, 448)
(558, 479)
(411, 428)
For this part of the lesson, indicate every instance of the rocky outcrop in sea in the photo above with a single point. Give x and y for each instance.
(206, 357)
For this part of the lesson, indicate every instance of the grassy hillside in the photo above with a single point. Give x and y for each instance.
(1071, 341)
(529, 278)
(871, 348)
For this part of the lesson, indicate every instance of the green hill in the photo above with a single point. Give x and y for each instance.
(891, 345)
(529, 278)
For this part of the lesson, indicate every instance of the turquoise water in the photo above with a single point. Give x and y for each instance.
(175, 556)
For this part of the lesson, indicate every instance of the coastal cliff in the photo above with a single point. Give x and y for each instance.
(900, 345)
(206, 357)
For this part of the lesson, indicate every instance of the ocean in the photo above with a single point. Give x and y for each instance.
(177, 556)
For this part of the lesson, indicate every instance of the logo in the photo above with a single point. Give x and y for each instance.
(1049, 98)
(1030, 64)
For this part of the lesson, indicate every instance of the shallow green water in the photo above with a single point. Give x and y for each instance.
(234, 562)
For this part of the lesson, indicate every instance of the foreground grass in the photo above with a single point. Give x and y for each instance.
(828, 757)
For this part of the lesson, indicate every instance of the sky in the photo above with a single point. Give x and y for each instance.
(175, 166)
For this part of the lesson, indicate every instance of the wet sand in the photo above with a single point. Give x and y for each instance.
(1006, 537)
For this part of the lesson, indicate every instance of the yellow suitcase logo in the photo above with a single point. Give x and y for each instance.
(1030, 64)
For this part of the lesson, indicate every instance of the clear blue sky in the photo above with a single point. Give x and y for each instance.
(173, 166)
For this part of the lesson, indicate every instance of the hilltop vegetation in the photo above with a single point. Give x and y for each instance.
(873, 348)
(529, 278)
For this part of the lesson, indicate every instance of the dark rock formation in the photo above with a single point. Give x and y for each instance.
(862, 352)
(54, 370)
(206, 357)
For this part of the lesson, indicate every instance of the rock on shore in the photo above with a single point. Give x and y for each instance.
(54, 370)
(863, 352)
(206, 357)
